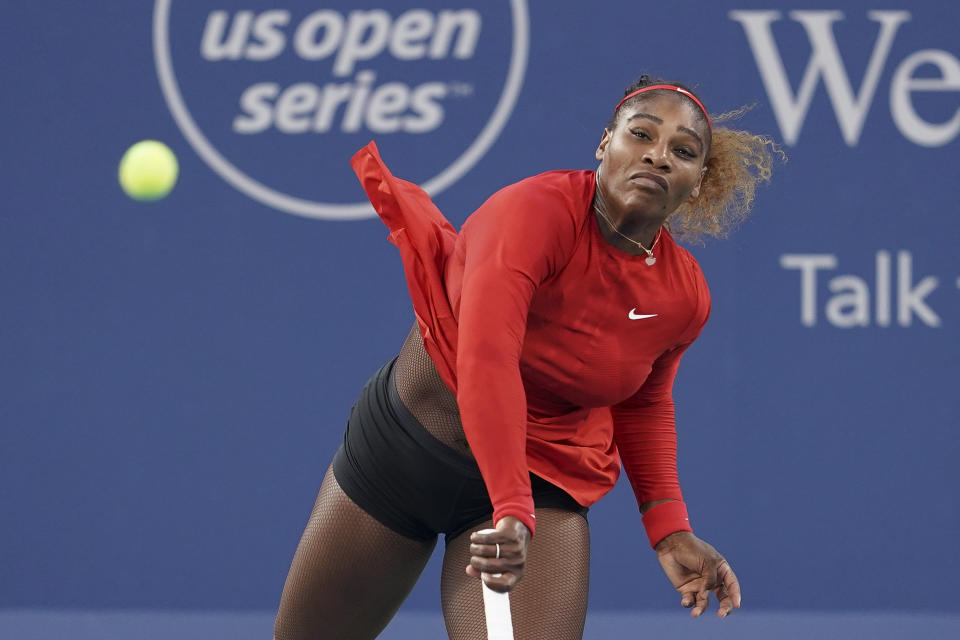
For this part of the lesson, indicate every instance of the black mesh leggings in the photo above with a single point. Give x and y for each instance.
(350, 573)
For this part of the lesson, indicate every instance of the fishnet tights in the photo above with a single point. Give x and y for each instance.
(351, 573)
(550, 603)
(423, 393)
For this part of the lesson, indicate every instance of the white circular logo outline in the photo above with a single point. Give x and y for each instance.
(309, 208)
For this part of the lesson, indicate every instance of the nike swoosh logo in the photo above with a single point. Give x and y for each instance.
(640, 316)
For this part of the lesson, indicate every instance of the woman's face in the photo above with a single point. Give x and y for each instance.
(654, 159)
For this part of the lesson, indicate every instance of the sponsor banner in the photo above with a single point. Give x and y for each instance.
(923, 83)
(300, 86)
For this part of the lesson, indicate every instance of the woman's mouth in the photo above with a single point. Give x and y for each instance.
(652, 180)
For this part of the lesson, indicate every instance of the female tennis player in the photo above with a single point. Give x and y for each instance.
(548, 334)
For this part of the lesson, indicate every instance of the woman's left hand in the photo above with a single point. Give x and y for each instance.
(695, 568)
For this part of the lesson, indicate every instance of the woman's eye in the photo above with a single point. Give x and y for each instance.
(686, 153)
(641, 134)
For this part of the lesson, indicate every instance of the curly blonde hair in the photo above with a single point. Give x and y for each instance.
(737, 162)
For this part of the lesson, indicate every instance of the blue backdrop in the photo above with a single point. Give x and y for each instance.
(175, 376)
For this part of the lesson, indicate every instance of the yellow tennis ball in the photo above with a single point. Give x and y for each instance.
(148, 170)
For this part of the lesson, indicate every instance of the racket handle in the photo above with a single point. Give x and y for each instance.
(496, 610)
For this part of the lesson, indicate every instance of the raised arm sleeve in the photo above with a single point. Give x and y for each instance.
(508, 247)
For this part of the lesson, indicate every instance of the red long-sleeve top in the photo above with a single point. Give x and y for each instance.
(561, 349)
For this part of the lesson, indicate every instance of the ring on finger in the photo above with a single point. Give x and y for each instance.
(498, 550)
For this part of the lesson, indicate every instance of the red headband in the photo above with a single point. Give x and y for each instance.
(671, 88)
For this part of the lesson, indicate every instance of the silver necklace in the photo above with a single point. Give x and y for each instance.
(650, 259)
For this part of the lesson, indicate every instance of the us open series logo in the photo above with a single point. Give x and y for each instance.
(275, 99)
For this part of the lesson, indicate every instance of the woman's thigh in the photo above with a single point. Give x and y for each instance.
(549, 603)
(350, 573)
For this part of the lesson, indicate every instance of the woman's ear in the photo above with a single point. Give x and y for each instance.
(696, 189)
(602, 147)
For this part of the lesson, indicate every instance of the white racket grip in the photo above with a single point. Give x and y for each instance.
(496, 610)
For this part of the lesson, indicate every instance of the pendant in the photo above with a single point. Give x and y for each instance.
(650, 261)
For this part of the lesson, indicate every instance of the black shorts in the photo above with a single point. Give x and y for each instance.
(404, 477)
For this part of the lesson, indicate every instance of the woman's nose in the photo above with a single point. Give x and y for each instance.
(658, 156)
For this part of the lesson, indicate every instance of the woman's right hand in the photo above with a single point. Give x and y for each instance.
(504, 572)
